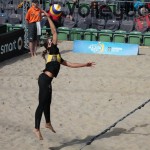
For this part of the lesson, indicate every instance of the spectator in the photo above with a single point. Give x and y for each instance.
(69, 22)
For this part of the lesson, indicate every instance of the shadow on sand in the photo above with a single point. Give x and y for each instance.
(114, 132)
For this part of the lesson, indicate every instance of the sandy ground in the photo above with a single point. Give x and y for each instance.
(85, 102)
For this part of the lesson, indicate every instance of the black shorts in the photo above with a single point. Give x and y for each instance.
(32, 32)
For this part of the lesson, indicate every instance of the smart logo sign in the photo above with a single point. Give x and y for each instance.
(11, 41)
(11, 45)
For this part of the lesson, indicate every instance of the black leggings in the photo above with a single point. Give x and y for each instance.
(45, 95)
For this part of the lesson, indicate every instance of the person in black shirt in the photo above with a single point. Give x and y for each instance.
(51, 70)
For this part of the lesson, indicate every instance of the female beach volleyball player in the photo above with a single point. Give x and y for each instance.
(51, 70)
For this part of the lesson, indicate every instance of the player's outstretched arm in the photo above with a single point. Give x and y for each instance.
(78, 65)
(53, 28)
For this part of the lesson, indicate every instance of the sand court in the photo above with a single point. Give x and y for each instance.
(85, 102)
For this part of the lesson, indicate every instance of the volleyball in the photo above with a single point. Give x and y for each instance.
(55, 10)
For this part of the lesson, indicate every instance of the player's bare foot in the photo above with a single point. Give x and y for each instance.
(48, 125)
(35, 54)
(38, 134)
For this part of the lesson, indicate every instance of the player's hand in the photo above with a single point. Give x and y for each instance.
(45, 13)
(90, 64)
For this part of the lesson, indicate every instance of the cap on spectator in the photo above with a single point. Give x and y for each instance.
(55, 10)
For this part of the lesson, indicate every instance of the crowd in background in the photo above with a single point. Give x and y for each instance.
(88, 14)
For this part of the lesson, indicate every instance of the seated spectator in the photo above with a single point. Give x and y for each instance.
(84, 22)
(69, 22)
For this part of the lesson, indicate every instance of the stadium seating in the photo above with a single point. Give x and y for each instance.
(76, 34)
(47, 5)
(106, 12)
(43, 21)
(3, 18)
(127, 25)
(112, 25)
(45, 33)
(131, 15)
(63, 33)
(84, 23)
(119, 36)
(90, 34)
(1, 7)
(146, 39)
(135, 37)
(105, 35)
(9, 27)
(75, 15)
(107, 28)
(17, 26)
(98, 24)
(9, 9)
(20, 11)
(68, 22)
(118, 15)
(112, 6)
(14, 19)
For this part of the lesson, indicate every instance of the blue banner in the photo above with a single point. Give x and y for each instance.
(111, 48)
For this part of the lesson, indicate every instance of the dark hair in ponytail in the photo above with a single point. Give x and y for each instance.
(46, 48)
(45, 51)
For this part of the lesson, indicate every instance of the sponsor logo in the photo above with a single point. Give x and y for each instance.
(11, 46)
(97, 48)
(84, 10)
(20, 43)
(116, 49)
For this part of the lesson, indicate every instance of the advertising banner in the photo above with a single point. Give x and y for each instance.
(11, 44)
(3, 28)
(111, 48)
